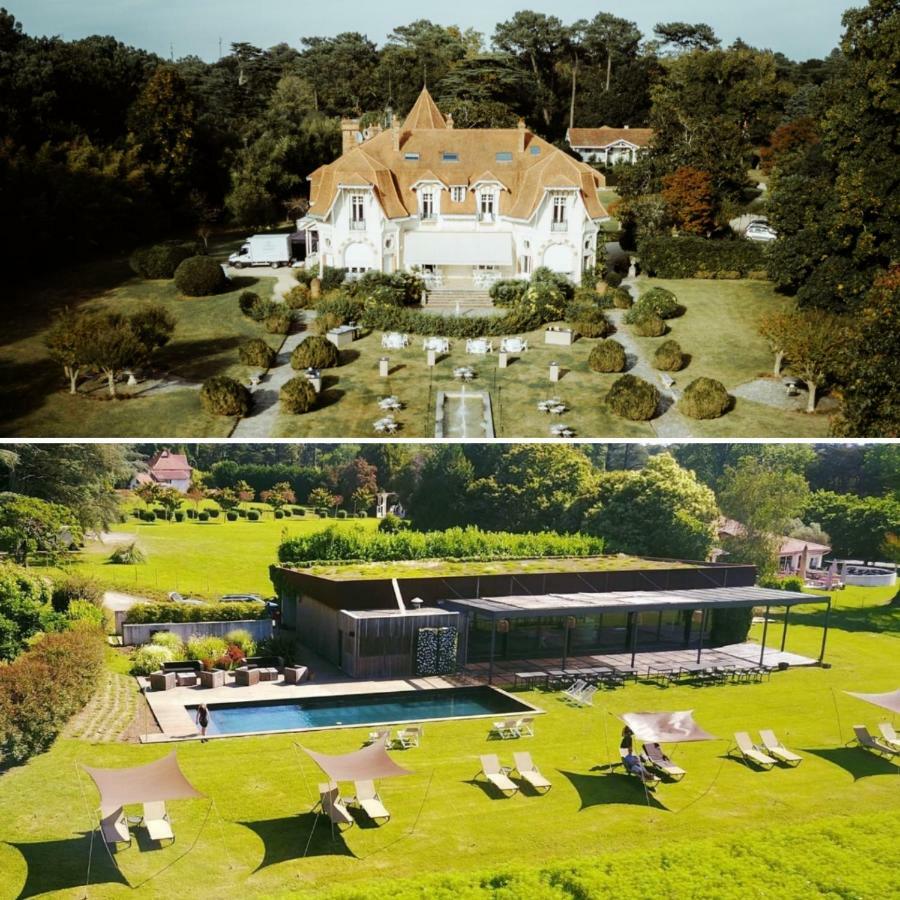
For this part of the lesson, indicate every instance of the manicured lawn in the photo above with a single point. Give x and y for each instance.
(208, 333)
(204, 559)
(444, 824)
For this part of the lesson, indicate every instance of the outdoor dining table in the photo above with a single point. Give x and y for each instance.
(386, 424)
(561, 431)
(529, 678)
(390, 403)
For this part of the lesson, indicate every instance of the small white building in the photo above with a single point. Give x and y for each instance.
(465, 207)
(168, 469)
(609, 145)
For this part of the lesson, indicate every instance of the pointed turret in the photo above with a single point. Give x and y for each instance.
(424, 114)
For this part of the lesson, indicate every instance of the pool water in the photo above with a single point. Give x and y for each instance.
(359, 709)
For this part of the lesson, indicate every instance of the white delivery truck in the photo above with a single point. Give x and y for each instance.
(263, 250)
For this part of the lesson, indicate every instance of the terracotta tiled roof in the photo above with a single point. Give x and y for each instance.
(789, 546)
(167, 466)
(425, 147)
(604, 136)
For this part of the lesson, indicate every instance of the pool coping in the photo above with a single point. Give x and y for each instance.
(166, 737)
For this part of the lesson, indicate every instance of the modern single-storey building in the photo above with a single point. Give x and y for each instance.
(609, 145)
(368, 623)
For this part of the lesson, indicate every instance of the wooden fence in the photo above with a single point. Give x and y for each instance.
(132, 635)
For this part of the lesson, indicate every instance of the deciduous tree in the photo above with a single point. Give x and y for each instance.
(689, 195)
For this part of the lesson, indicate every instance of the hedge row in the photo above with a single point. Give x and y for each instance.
(44, 687)
(413, 321)
(696, 257)
(353, 545)
(149, 613)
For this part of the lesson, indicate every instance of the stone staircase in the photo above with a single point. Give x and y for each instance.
(447, 298)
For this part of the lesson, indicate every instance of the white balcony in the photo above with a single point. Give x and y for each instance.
(559, 226)
(357, 224)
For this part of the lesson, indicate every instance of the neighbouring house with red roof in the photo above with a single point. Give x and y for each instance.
(609, 145)
(791, 551)
(166, 468)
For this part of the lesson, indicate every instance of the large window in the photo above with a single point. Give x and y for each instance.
(357, 212)
(560, 207)
(486, 203)
(458, 193)
(428, 204)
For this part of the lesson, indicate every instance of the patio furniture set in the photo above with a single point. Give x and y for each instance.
(464, 373)
(254, 671)
(498, 775)
(388, 424)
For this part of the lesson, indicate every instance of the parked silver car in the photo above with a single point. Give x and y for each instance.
(760, 231)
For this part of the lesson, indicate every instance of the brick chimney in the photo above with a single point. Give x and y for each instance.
(349, 134)
(522, 133)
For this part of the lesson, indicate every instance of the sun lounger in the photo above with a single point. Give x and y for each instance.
(498, 775)
(157, 821)
(868, 742)
(891, 738)
(775, 748)
(333, 806)
(639, 770)
(586, 697)
(409, 737)
(369, 802)
(383, 736)
(657, 759)
(525, 726)
(504, 728)
(574, 690)
(529, 772)
(751, 753)
(114, 826)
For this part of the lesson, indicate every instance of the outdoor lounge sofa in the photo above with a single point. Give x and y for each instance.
(529, 772)
(263, 662)
(867, 742)
(184, 665)
(497, 775)
(657, 759)
(114, 826)
(156, 820)
(333, 806)
(162, 681)
(369, 802)
(775, 748)
(750, 753)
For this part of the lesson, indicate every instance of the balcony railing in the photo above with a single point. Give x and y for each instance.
(559, 226)
(357, 224)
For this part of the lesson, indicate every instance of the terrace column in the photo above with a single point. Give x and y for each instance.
(634, 631)
(493, 644)
(762, 649)
(787, 612)
(825, 631)
(702, 630)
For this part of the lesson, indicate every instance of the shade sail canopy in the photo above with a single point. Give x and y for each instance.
(666, 727)
(890, 700)
(361, 765)
(159, 780)
(458, 249)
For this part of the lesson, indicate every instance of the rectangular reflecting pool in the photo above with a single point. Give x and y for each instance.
(360, 709)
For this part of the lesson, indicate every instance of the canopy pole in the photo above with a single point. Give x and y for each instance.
(762, 649)
(493, 644)
(787, 612)
(825, 631)
(702, 630)
(634, 630)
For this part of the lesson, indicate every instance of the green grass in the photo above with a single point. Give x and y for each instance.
(204, 559)
(711, 825)
(207, 336)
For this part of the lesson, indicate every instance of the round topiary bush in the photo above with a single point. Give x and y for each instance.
(252, 515)
(704, 398)
(649, 326)
(613, 279)
(223, 396)
(256, 352)
(619, 297)
(297, 396)
(203, 516)
(657, 300)
(199, 276)
(231, 515)
(192, 513)
(160, 260)
(668, 357)
(298, 297)
(179, 515)
(315, 352)
(213, 513)
(287, 512)
(299, 511)
(279, 514)
(589, 321)
(633, 398)
(279, 323)
(607, 356)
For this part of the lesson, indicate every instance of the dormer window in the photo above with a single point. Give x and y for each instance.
(447, 156)
(428, 203)
(357, 212)
(560, 218)
(486, 204)
(458, 193)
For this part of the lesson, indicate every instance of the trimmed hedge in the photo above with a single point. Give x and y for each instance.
(355, 544)
(253, 515)
(44, 687)
(649, 325)
(223, 396)
(298, 297)
(160, 260)
(150, 613)
(231, 516)
(297, 396)
(256, 352)
(620, 297)
(588, 319)
(633, 398)
(203, 516)
(397, 289)
(200, 276)
(658, 302)
(279, 323)
(254, 307)
(607, 356)
(704, 398)
(330, 278)
(668, 357)
(315, 352)
(413, 321)
(696, 257)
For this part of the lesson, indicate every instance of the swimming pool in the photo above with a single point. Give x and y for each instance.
(360, 709)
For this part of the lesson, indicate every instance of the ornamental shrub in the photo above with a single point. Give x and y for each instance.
(254, 307)
(298, 297)
(342, 513)
(150, 658)
(279, 323)
(697, 257)
(127, 554)
(286, 512)
(203, 516)
(256, 352)
(161, 514)
(704, 398)
(657, 301)
(299, 511)
(179, 515)
(507, 291)
(231, 515)
(147, 515)
(279, 514)
(668, 357)
(332, 278)
(223, 396)
(620, 297)
(206, 647)
(297, 396)
(633, 398)
(149, 613)
(213, 513)
(588, 319)
(75, 587)
(607, 356)
(252, 515)
(242, 513)
(241, 638)
(170, 640)
(397, 289)
(649, 325)
(200, 276)
(315, 352)
(613, 279)
(391, 524)
(191, 513)
(160, 260)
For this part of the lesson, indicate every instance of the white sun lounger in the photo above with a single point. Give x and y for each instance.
(525, 726)
(751, 753)
(529, 772)
(574, 690)
(333, 806)
(498, 775)
(114, 826)
(369, 802)
(890, 735)
(586, 697)
(868, 742)
(157, 821)
(504, 728)
(409, 737)
(775, 748)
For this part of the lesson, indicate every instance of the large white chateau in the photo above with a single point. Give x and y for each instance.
(464, 207)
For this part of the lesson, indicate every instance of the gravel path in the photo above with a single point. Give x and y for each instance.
(116, 601)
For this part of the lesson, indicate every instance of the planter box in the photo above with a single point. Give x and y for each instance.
(213, 679)
(561, 338)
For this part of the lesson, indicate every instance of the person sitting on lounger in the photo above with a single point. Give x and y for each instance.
(635, 765)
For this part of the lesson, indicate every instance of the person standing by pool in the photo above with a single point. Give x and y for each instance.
(202, 721)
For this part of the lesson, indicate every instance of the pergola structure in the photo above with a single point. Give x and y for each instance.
(571, 606)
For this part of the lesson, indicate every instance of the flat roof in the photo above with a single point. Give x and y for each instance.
(399, 613)
(586, 603)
